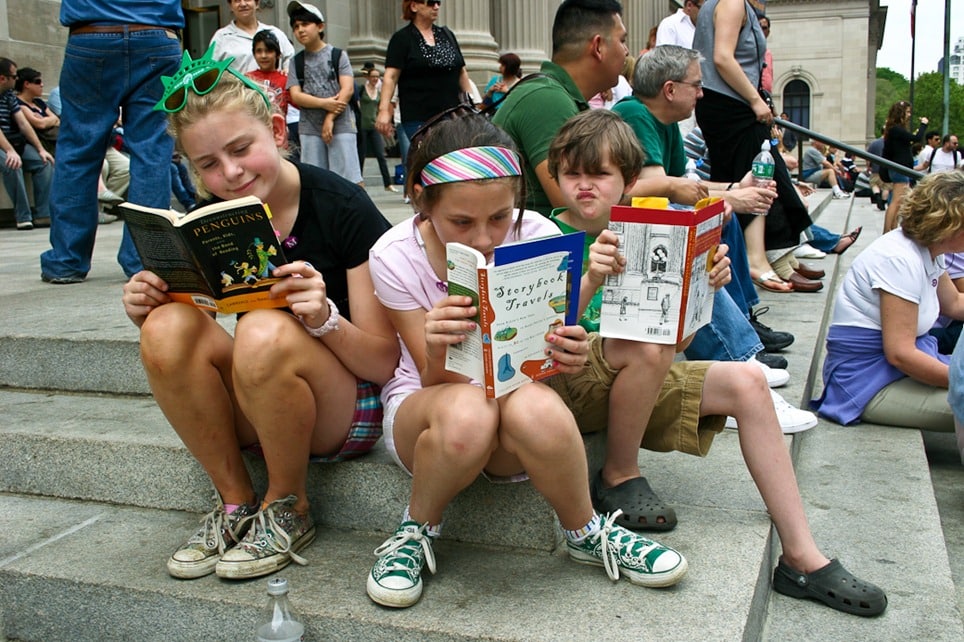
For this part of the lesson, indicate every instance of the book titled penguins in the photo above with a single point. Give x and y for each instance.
(531, 289)
(219, 257)
(664, 294)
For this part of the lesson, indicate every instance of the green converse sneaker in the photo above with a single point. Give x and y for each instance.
(396, 578)
(276, 535)
(219, 531)
(619, 550)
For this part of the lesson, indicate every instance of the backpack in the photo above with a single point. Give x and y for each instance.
(300, 64)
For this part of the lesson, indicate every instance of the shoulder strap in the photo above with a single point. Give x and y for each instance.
(930, 161)
(335, 60)
(300, 68)
(490, 109)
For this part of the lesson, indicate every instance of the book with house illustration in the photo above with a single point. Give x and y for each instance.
(664, 294)
(531, 288)
(219, 257)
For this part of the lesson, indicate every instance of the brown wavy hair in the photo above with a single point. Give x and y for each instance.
(896, 116)
(933, 211)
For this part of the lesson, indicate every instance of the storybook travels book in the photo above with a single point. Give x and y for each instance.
(218, 257)
(531, 289)
(664, 294)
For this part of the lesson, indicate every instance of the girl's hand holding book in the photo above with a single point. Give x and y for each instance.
(569, 348)
(306, 294)
(142, 293)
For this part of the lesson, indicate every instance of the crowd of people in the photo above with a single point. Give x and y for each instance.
(360, 346)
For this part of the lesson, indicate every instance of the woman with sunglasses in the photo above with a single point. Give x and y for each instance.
(425, 63)
(300, 383)
(30, 87)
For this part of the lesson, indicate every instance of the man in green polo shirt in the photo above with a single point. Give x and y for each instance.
(588, 54)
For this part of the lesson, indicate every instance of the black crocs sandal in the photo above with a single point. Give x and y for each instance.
(642, 508)
(833, 585)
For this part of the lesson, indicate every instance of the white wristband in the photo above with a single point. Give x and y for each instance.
(327, 326)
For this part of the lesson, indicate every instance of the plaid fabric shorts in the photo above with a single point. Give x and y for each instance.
(366, 427)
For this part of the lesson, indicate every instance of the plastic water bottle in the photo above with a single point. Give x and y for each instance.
(691, 173)
(763, 165)
(279, 623)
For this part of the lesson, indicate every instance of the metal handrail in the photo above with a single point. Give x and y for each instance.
(856, 151)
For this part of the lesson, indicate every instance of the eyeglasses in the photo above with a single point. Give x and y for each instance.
(696, 84)
(201, 76)
(38, 81)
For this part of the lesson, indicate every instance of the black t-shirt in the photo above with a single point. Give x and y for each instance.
(337, 224)
(428, 82)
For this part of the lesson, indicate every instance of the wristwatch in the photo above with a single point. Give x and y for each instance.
(327, 326)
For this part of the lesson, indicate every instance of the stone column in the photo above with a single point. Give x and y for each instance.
(524, 28)
(372, 25)
(469, 19)
(640, 16)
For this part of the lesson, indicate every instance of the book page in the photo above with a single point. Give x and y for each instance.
(528, 300)
(162, 252)
(463, 264)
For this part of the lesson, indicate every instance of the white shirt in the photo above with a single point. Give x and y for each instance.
(944, 161)
(676, 29)
(894, 264)
(231, 40)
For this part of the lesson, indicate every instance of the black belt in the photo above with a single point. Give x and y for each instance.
(121, 28)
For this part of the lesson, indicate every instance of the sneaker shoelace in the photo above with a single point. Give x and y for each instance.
(267, 534)
(408, 547)
(215, 524)
(616, 542)
(757, 313)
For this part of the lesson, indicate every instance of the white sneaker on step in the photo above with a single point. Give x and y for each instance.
(776, 377)
(792, 420)
(807, 251)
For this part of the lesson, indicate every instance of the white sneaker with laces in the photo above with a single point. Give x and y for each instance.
(807, 251)
(839, 193)
(792, 420)
(776, 377)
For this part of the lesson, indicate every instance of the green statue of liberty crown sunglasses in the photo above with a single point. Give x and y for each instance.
(200, 76)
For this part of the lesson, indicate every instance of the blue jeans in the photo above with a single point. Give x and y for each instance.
(821, 238)
(41, 175)
(101, 73)
(727, 337)
(740, 286)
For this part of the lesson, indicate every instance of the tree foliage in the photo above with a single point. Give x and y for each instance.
(928, 99)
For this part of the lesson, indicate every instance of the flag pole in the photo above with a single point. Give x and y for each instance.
(913, 47)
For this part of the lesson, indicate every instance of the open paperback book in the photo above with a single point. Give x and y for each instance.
(219, 257)
(664, 294)
(531, 289)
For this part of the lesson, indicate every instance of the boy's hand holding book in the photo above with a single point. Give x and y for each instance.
(604, 259)
(720, 272)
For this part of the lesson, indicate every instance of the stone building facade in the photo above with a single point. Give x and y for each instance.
(824, 51)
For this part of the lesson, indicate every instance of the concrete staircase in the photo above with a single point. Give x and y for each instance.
(96, 490)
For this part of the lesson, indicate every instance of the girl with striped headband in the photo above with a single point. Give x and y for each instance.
(465, 183)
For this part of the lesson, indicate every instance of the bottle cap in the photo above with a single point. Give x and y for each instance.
(277, 586)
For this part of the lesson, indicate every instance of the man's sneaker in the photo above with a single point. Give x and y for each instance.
(276, 534)
(618, 550)
(839, 193)
(219, 531)
(396, 578)
(771, 359)
(791, 419)
(772, 340)
(63, 280)
(25, 225)
(776, 377)
(807, 251)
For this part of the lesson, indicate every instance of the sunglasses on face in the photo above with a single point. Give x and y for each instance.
(200, 76)
(433, 3)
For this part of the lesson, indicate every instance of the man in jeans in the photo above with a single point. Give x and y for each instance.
(115, 56)
(21, 151)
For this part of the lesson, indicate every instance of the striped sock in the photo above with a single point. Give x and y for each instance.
(580, 534)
